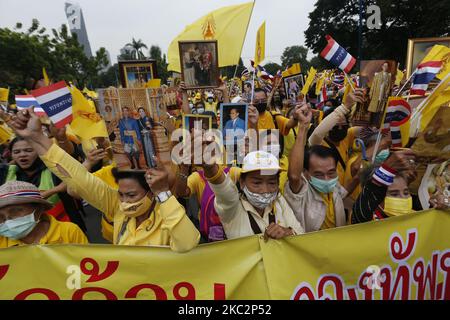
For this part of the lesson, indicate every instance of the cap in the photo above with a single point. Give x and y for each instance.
(261, 161)
(20, 192)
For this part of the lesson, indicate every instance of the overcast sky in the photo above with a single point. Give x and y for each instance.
(113, 23)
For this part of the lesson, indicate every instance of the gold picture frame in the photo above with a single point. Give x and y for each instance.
(134, 74)
(418, 49)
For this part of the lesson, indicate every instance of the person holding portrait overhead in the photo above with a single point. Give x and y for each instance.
(145, 125)
(130, 137)
(379, 93)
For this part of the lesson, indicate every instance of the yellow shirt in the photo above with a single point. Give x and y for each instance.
(348, 177)
(265, 121)
(343, 149)
(58, 233)
(168, 224)
(105, 174)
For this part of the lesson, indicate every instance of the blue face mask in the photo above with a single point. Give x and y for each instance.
(18, 228)
(382, 156)
(324, 186)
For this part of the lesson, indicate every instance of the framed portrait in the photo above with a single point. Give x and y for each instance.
(293, 85)
(199, 64)
(418, 48)
(194, 121)
(233, 121)
(136, 73)
(370, 67)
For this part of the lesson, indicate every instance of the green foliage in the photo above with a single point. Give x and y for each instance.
(23, 54)
(136, 51)
(161, 63)
(401, 20)
(295, 54)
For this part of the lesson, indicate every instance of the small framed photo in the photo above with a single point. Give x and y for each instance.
(199, 64)
(194, 121)
(293, 85)
(233, 122)
(418, 49)
(370, 68)
(135, 74)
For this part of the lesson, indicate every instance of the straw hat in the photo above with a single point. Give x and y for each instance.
(20, 192)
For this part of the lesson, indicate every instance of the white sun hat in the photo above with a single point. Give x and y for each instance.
(262, 161)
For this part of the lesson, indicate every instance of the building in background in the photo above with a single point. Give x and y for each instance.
(78, 26)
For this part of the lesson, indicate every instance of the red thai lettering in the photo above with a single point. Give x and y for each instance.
(79, 294)
(50, 294)
(303, 290)
(190, 295)
(446, 268)
(3, 270)
(93, 270)
(219, 291)
(425, 278)
(337, 285)
(402, 276)
(365, 285)
(397, 247)
(160, 294)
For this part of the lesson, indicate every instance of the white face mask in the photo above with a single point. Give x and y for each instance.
(260, 200)
(18, 228)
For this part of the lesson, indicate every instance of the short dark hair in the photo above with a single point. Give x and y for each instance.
(260, 90)
(321, 152)
(137, 176)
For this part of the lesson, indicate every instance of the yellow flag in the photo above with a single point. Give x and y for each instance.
(153, 83)
(6, 133)
(86, 123)
(311, 75)
(348, 88)
(320, 83)
(440, 53)
(4, 93)
(294, 69)
(439, 97)
(46, 79)
(227, 25)
(399, 77)
(260, 50)
(90, 94)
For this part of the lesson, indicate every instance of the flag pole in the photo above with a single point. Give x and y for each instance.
(407, 81)
(253, 85)
(349, 81)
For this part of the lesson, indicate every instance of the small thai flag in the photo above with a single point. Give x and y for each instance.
(56, 100)
(398, 112)
(425, 72)
(339, 81)
(24, 102)
(337, 55)
(322, 97)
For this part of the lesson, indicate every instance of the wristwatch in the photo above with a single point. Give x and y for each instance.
(163, 196)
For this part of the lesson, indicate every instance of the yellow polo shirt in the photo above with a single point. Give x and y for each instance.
(58, 233)
(265, 122)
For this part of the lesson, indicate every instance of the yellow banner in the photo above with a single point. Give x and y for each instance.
(311, 76)
(260, 50)
(405, 257)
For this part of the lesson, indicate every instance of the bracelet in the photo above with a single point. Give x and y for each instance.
(216, 177)
(384, 175)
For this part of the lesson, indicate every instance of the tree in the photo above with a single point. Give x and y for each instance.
(161, 62)
(23, 54)
(295, 54)
(137, 49)
(400, 20)
(272, 68)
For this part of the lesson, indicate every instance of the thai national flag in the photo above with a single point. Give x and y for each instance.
(24, 102)
(425, 72)
(322, 97)
(339, 81)
(56, 100)
(398, 112)
(337, 55)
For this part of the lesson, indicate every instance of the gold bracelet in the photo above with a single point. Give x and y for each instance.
(216, 176)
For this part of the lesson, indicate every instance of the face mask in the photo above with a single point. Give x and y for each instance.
(133, 210)
(382, 156)
(18, 228)
(326, 108)
(210, 100)
(261, 107)
(324, 186)
(337, 134)
(274, 149)
(397, 206)
(260, 200)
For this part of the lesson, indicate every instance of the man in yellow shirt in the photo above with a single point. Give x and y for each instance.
(143, 210)
(23, 220)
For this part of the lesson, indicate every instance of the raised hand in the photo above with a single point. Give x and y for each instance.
(356, 96)
(303, 114)
(401, 160)
(158, 177)
(25, 123)
(253, 116)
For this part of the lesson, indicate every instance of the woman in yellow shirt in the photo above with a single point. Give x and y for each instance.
(143, 210)
(23, 220)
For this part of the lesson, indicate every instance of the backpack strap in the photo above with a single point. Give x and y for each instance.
(335, 150)
(256, 229)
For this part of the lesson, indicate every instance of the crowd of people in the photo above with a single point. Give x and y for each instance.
(311, 175)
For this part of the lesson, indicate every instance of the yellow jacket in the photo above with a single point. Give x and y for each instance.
(167, 225)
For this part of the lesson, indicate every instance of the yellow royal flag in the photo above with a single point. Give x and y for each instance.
(227, 25)
(45, 76)
(4, 93)
(153, 83)
(260, 50)
(439, 97)
(294, 69)
(399, 77)
(440, 53)
(347, 88)
(86, 123)
(320, 83)
(90, 94)
(311, 75)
